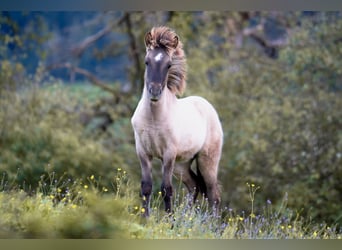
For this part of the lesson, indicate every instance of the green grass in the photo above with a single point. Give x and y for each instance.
(86, 209)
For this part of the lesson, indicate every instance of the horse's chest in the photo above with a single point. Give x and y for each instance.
(155, 141)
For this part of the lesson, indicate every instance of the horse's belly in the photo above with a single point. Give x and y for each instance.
(186, 155)
(190, 143)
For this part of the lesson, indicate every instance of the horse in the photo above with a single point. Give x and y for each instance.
(178, 131)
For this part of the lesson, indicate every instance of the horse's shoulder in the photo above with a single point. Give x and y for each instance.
(134, 119)
(137, 116)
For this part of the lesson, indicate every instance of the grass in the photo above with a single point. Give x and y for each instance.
(86, 209)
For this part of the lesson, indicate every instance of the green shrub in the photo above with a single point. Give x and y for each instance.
(41, 133)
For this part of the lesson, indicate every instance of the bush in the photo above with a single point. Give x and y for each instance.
(41, 134)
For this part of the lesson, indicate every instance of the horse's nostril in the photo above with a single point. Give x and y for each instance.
(155, 89)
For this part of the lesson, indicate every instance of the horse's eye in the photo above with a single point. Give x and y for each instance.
(169, 65)
(146, 63)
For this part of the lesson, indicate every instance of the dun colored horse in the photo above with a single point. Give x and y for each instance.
(177, 131)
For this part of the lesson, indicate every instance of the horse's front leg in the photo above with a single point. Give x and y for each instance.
(166, 186)
(146, 182)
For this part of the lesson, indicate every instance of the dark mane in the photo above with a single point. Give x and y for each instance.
(164, 37)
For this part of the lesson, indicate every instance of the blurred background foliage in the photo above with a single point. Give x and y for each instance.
(70, 81)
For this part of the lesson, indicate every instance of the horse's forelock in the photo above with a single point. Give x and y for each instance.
(164, 37)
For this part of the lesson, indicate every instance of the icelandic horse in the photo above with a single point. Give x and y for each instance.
(178, 131)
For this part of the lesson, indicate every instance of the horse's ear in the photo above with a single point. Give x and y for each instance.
(175, 41)
(148, 39)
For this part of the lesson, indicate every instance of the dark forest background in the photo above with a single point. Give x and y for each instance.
(70, 81)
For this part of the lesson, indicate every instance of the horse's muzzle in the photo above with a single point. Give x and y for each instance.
(155, 91)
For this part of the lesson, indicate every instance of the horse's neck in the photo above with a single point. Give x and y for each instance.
(160, 111)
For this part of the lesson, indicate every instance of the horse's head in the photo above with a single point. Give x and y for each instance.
(165, 63)
(158, 63)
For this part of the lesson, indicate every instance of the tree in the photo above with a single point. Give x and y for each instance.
(21, 37)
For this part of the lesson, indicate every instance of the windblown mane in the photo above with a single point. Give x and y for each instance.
(164, 37)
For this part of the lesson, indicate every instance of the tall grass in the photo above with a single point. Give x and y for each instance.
(88, 209)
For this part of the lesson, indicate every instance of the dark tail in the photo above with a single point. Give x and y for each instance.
(200, 183)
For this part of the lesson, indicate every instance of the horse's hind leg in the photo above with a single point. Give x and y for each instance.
(207, 165)
(183, 172)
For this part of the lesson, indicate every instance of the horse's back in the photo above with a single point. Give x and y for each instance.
(205, 108)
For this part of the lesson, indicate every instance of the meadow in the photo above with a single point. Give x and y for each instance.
(85, 209)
